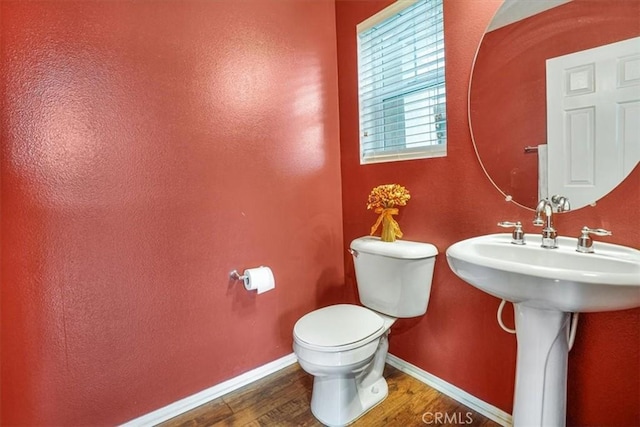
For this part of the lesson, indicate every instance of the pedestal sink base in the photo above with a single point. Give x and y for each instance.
(541, 367)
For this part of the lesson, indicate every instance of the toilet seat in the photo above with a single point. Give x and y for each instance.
(338, 328)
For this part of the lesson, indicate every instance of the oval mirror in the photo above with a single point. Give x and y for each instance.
(542, 114)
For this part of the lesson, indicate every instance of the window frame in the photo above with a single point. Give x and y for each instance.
(400, 153)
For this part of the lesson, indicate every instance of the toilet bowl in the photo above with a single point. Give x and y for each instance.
(345, 346)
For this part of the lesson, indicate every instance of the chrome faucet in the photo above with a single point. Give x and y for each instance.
(549, 234)
(545, 209)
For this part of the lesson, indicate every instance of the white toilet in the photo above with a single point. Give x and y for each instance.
(345, 346)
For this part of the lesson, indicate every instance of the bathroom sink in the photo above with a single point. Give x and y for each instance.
(559, 279)
(546, 286)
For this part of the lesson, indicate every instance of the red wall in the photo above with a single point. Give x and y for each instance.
(138, 169)
(459, 339)
(514, 57)
(148, 148)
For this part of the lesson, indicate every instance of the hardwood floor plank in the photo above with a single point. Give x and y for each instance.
(265, 399)
(272, 385)
(283, 414)
(206, 414)
(411, 411)
(305, 419)
(283, 399)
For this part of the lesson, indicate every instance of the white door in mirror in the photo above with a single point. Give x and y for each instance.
(593, 120)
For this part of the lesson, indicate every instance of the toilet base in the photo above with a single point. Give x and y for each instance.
(341, 401)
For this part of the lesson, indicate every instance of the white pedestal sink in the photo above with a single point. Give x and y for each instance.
(546, 285)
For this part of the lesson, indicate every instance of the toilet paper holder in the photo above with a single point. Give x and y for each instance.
(235, 276)
(258, 279)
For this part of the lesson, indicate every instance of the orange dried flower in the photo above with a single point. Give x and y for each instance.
(388, 196)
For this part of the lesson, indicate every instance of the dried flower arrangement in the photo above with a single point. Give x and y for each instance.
(384, 199)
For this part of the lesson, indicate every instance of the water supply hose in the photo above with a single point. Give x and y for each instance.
(499, 315)
(571, 332)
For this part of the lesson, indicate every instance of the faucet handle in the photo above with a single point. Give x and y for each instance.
(585, 243)
(517, 237)
(561, 203)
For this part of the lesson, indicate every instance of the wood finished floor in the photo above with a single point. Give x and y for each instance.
(282, 399)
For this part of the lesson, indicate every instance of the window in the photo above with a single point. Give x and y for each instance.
(401, 83)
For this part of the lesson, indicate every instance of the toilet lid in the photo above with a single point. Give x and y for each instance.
(337, 325)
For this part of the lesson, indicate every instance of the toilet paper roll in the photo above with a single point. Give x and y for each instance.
(260, 279)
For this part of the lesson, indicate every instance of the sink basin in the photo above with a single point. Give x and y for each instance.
(560, 279)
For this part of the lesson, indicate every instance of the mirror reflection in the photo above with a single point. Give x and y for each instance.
(529, 141)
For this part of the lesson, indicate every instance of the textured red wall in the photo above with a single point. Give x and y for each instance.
(505, 121)
(136, 172)
(459, 339)
(148, 148)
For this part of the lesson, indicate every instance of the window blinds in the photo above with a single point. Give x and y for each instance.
(401, 80)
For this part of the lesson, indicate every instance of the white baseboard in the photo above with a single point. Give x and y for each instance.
(472, 402)
(207, 395)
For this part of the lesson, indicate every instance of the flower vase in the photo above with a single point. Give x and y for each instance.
(388, 229)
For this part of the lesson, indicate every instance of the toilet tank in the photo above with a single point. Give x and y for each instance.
(394, 278)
